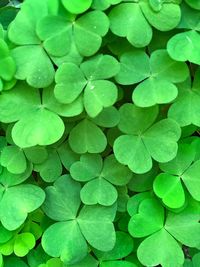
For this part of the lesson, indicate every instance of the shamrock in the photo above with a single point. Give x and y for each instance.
(92, 223)
(100, 178)
(16, 199)
(83, 35)
(7, 65)
(144, 140)
(157, 76)
(185, 110)
(23, 104)
(137, 29)
(86, 136)
(182, 169)
(90, 78)
(183, 46)
(164, 233)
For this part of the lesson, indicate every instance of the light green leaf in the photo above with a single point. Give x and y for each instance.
(98, 191)
(13, 159)
(96, 225)
(24, 242)
(38, 128)
(17, 202)
(76, 6)
(160, 248)
(87, 137)
(136, 29)
(148, 220)
(134, 67)
(170, 190)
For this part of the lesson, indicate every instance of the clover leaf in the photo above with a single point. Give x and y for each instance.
(7, 64)
(182, 169)
(92, 224)
(159, 73)
(73, 33)
(26, 108)
(185, 110)
(137, 29)
(13, 159)
(17, 202)
(99, 178)
(23, 243)
(144, 141)
(76, 6)
(186, 41)
(90, 79)
(86, 136)
(160, 248)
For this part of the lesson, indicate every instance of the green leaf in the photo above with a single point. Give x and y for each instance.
(158, 91)
(70, 83)
(87, 137)
(123, 247)
(66, 188)
(184, 226)
(33, 65)
(139, 36)
(134, 67)
(76, 6)
(51, 168)
(96, 225)
(98, 191)
(58, 241)
(98, 95)
(160, 248)
(88, 168)
(166, 19)
(24, 242)
(17, 202)
(170, 190)
(148, 220)
(191, 180)
(13, 159)
(43, 133)
(183, 46)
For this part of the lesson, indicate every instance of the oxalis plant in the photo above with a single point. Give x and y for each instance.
(100, 125)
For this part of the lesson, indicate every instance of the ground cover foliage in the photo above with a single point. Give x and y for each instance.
(99, 145)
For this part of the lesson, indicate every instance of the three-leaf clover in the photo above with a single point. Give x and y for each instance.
(164, 233)
(83, 35)
(156, 75)
(36, 123)
(92, 224)
(134, 20)
(90, 78)
(182, 169)
(99, 178)
(145, 141)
